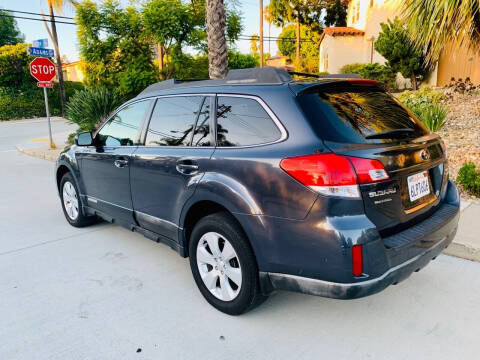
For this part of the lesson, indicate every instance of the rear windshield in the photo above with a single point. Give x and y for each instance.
(359, 115)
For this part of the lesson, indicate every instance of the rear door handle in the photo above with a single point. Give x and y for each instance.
(120, 163)
(187, 167)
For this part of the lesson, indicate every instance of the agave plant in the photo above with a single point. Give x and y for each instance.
(88, 108)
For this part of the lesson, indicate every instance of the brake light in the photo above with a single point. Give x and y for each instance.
(332, 174)
(357, 260)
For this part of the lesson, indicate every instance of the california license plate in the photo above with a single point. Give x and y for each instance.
(418, 185)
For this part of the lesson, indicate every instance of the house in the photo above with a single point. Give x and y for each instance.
(73, 71)
(354, 43)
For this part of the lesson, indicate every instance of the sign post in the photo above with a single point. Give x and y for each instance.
(43, 70)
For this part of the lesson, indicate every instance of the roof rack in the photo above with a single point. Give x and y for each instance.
(327, 76)
(254, 76)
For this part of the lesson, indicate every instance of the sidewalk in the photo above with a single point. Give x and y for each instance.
(466, 244)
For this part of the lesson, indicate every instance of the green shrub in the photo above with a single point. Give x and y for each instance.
(469, 178)
(19, 103)
(89, 107)
(426, 104)
(382, 73)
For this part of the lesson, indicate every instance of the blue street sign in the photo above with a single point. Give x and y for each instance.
(35, 51)
(40, 43)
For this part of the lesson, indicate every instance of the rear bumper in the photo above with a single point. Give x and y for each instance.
(427, 240)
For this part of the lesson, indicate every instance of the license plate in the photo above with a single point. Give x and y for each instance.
(418, 185)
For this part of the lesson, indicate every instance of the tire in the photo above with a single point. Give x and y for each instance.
(71, 203)
(228, 291)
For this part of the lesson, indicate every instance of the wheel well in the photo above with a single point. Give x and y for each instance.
(62, 170)
(199, 211)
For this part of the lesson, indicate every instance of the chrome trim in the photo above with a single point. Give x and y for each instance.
(278, 123)
(95, 200)
(156, 219)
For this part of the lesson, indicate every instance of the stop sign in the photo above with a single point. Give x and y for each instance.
(42, 69)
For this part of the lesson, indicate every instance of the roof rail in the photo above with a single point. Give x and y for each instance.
(327, 76)
(254, 76)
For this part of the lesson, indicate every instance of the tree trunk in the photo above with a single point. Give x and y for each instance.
(297, 52)
(413, 80)
(217, 43)
(261, 33)
(160, 57)
(59, 61)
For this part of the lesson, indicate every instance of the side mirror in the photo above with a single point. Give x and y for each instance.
(84, 139)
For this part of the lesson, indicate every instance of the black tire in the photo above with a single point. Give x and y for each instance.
(80, 220)
(249, 294)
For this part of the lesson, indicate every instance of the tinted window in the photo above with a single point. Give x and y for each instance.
(173, 120)
(122, 129)
(201, 137)
(242, 121)
(359, 115)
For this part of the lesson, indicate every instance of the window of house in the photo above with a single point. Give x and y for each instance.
(172, 121)
(122, 129)
(243, 122)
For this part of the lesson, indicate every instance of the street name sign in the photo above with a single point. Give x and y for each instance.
(42, 69)
(40, 43)
(36, 51)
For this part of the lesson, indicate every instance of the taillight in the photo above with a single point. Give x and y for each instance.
(357, 260)
(332, 174)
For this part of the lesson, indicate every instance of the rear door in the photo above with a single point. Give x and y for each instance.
(105, 167)
(365, 121)
(166, 168)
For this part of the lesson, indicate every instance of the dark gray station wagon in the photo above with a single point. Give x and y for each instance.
(324, 186)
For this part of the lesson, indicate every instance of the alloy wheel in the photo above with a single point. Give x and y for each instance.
(70, 200)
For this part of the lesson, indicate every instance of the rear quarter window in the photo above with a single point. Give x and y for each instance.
(354, 114)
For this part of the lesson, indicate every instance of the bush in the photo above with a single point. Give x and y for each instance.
(469, 178)
(21, 103)
(382, 73)
(426, 104)
(15, 67)
(89, 107)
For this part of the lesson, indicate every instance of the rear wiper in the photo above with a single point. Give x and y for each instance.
(390, 134)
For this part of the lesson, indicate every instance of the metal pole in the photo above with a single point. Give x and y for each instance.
(261, 33)
(52, 146)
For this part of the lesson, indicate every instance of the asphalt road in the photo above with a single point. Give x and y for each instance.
(105, 293)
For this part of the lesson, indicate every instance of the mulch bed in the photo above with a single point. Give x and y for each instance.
(462, 134)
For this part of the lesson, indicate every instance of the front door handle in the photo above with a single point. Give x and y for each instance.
(187, 167)
(120, 163)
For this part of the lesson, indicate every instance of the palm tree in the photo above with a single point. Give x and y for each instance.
(268, 18)
(217, 43)
(435, 23)
(58, 6)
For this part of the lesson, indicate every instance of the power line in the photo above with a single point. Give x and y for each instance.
(32, 13)
(27, 18)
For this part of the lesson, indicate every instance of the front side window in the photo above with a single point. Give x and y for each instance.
(122, 128)
(243, 122)
(172, 121)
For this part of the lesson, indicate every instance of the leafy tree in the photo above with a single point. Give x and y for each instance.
(435, 23)
(337, 14)
(113, 44)
(237, 60)
(9, 33)
(300, 12)
(393, 44)
(308, 48)
(15, 67)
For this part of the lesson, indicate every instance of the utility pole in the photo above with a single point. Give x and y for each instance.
(261, 33)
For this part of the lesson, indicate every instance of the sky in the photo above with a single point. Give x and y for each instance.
(68, 37)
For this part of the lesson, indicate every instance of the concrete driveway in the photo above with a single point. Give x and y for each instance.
(105, 293)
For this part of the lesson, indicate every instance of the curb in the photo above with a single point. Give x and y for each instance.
(41, 153)
(463, 251)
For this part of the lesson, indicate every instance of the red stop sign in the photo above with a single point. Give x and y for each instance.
(42, 69)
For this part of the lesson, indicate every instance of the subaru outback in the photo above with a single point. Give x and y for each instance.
(325, 186)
